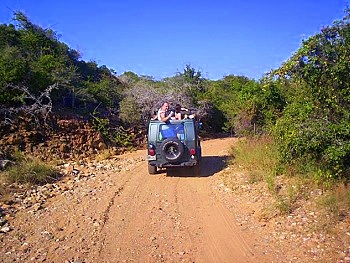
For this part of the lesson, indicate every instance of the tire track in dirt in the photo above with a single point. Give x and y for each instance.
(110, 204)
(115, 222)
(145, 223)
(174, 218)
(217, 236)
(133, 216)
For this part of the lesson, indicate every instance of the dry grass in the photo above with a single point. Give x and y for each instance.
(336, 202)
(25, 171)
(104, 155)
(28, 170)
(257, 158)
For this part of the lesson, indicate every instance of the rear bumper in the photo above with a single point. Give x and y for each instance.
(183, 164)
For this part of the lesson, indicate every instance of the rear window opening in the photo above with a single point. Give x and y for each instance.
(171, 131)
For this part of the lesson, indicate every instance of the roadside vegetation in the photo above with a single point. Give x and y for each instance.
(306, 136)
(27, 170)
(295, 119)
(289, 185)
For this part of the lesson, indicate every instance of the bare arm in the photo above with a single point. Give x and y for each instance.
(164, 118)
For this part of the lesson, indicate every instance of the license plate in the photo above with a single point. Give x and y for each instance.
(151, 158)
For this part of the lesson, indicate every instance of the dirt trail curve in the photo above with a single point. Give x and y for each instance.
(130, 216)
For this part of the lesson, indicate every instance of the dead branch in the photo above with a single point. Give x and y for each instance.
(37, 108)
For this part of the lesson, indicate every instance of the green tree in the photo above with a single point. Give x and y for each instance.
(315, 126)
(241, 100)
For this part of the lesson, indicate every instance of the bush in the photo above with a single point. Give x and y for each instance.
(258, 155)
(315, 127)
(30, 170)
(129, 112)
(305, 137)
(124, 138)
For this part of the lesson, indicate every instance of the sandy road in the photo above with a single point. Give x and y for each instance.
(172, 218)
(131, 216)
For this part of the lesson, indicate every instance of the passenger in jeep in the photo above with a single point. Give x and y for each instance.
(162, 112)
(180, 115)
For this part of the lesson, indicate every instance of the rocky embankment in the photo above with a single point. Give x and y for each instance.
(69, 139)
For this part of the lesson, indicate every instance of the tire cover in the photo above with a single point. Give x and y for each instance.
(172, 149)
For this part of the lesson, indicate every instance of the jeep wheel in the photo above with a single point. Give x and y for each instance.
(172, 149)
(152, 169)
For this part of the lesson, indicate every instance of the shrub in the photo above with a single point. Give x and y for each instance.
(315, 126)
(306, 139)
(124, 138)
(256, 154)
(31, 171)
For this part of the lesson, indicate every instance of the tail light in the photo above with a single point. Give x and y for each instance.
(192, 151)
(151, 150)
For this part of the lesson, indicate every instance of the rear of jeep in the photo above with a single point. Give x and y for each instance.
(173, 144)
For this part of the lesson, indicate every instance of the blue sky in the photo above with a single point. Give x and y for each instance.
(159, 37)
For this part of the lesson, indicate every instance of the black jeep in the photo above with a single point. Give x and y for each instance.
(174, 144)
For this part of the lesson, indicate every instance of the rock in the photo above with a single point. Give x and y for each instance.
(64, 148)
(75, 171)
(3, 221)
(42, 258)
(37, 207)
(4, 164)
(5, 229)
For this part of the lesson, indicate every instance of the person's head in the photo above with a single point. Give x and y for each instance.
(165, 106)
(177, 108)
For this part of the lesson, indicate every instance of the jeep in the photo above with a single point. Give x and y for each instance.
(174, 143)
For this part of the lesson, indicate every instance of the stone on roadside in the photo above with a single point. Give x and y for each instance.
(3, 221)
(4, 164)
(5, 229)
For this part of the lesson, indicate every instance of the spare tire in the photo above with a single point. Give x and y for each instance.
(172, 149)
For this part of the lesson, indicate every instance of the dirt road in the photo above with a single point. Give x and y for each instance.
(116, 212)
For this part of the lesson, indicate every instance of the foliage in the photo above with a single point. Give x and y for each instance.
(305, 103)
(104, 155)
(315, 126)
(194, 78)
(33, 57)
(29, 170)
(101, 124)
(143, 98)
(130, 111)
(247, 105)
(33, 114)
(124, 138)
(258, 158)
(118, 136)
(258, 155)
(335, 202)
(106, 91)
(146, 96)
